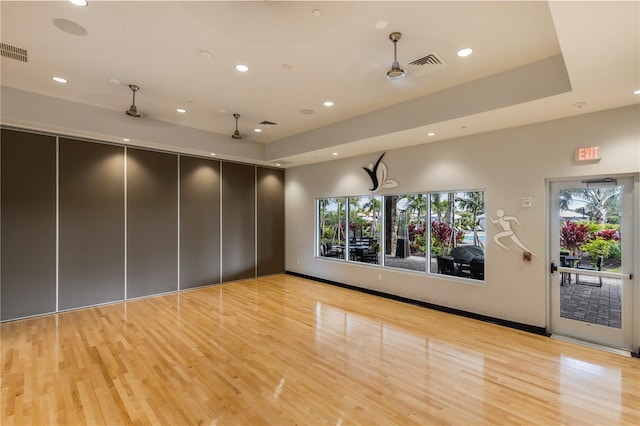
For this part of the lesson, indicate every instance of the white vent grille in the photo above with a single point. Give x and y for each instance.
(13, 52)
(425, 64)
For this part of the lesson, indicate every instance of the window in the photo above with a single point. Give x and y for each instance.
(405, 235)
(439, 233)
(457, 234)
(332, 214)
(365, 229)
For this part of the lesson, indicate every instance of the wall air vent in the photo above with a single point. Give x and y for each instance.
(13, 52)
(425, 64)
(268, 123)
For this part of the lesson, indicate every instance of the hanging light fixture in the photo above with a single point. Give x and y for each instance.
(395, 73)
(236, 134)
(133, 111)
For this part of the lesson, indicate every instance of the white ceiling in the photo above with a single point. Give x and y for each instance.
(532, 61)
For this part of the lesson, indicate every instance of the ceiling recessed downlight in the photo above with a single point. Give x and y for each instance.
(636, 92)
(126, 140)
(181, 110)
(465, 52)
(431, 134)
(59, 80)
(316, 12)
(257, 130)
(328, 103)
(213, 154)
(80, 3)
(335, 153)
(381, 25)
(242, 68)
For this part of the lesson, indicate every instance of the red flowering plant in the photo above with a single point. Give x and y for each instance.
(608, 234)
(417, 238)
(573, 236)
(440, 235)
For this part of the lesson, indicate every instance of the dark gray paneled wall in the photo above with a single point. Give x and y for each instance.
(270, 209)
(91, 224)
(199, 222)
(152, 222)
(28, 222)
(127, 222)
(238, 221)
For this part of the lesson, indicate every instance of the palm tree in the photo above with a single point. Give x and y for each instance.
(417, 203)
(473, 202)
(438, 207)
(600, 201)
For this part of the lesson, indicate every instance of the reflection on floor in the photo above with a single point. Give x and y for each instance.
(589, 303)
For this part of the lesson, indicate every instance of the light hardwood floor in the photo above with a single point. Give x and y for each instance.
(282, 350)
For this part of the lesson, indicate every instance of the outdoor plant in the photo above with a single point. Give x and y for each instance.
(440, 236)
(608, 234)
(573, 236)
(417, 238)
(598, 247)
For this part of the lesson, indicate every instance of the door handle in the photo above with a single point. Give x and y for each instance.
(554, 268)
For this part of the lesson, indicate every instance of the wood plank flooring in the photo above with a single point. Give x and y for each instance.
(282, 350)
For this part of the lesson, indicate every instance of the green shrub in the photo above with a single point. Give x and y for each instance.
(615, 251)
(598, 247)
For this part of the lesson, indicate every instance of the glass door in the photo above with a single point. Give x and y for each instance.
(592, 259)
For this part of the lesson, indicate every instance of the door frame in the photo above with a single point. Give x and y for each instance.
(631, 329)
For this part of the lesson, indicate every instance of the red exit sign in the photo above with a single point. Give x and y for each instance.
(591, 153)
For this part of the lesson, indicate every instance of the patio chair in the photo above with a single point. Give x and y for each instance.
(370, 255)
(597, 267)
(476, 270)
(445, 266)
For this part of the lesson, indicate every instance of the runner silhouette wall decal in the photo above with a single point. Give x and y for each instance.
(505, 223)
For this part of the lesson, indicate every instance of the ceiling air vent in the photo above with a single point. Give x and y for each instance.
(425, 64)
(268, 123)
(13, 52)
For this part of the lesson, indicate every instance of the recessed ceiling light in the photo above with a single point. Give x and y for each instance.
(213, 154)
(381, 25)
(126, 140)
(277, 164)
(637, 92)
(80, 3)
(465, 52)
(431, 134)
(335, 153)
(60, 80)
(205, 54)
(181, 110)
(257, 130)
(242, 68)
(328, 104)
(316, 12)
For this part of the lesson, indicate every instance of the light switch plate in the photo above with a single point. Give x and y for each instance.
(527, 201)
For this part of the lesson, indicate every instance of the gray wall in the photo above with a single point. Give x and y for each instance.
(28, 224)
(91, 224)
(238, 221)
(199, 222)
(270, 221)
(127, 222)
(152, 222)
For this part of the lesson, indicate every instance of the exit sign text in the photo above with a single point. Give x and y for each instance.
(591, 153)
